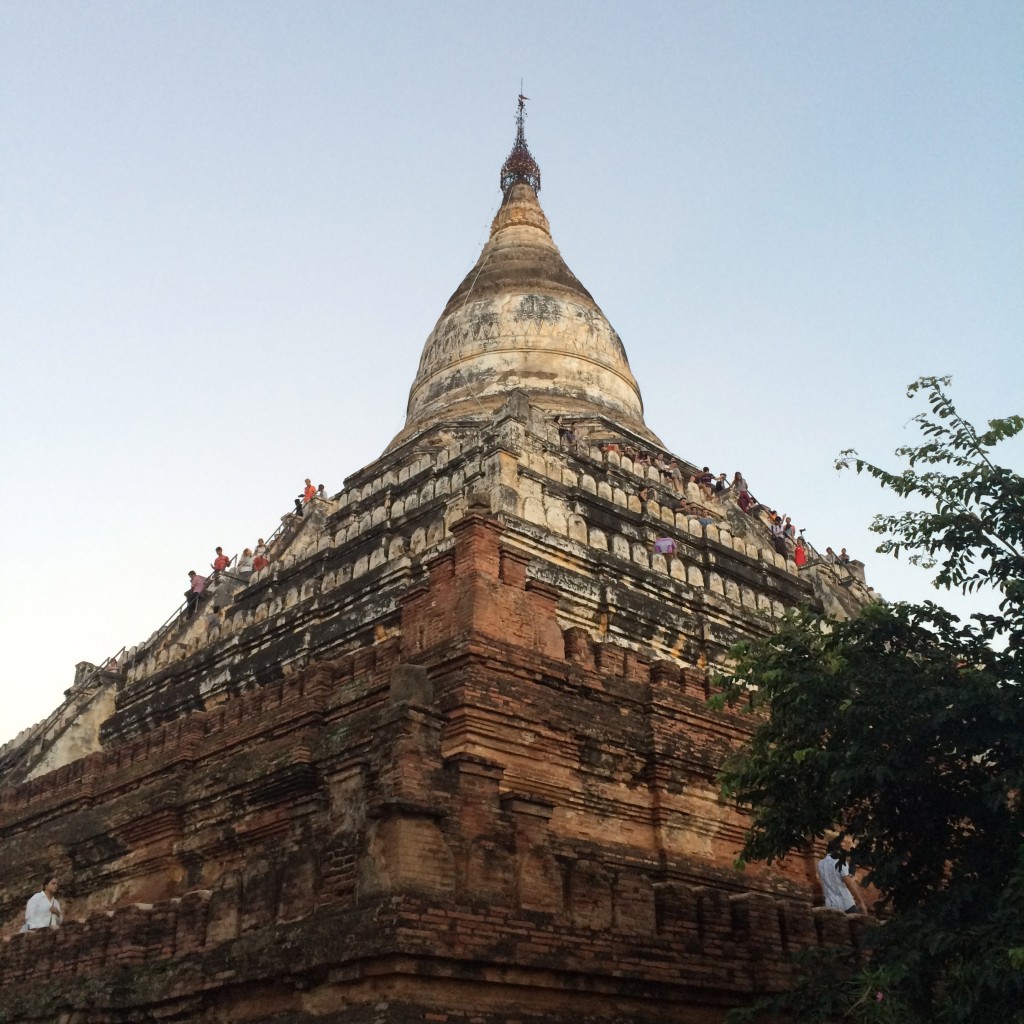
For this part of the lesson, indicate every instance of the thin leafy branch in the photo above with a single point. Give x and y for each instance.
(902, 729)
(974, 531)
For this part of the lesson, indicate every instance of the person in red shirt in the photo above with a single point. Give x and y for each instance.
(309, 493)
(260, 559)
(221, 561)
(800, 554)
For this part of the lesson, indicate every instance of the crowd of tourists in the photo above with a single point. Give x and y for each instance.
(249, 561)
(700, 494)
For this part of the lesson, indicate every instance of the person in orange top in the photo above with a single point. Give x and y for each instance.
(309, 493)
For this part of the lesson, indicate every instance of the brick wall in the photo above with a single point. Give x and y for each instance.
(482, 811)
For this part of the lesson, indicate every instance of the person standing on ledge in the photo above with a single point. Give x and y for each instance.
(800, 553)
(245, 566)
(260, 559)
(43, 909)
(195, 590)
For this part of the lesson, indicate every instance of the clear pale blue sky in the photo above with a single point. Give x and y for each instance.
(227, 229)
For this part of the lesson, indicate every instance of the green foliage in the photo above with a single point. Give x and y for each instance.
(973, 529)
(903, 729)
(833, 986)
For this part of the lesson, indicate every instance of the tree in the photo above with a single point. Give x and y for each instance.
(903, 730)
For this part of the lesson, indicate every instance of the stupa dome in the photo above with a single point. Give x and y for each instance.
(522, 320)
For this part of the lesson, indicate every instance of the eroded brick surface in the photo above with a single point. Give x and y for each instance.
(480, 803)
(449, 756)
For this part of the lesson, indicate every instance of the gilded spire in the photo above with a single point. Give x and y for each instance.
(519, 165)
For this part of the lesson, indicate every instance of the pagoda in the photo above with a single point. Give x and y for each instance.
(449, 756)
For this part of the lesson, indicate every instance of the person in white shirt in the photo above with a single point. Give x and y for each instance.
(244, 566)
(839, 887)
(43, 909)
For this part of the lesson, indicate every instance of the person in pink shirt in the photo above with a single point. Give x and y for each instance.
(194, 592)
(664, 546)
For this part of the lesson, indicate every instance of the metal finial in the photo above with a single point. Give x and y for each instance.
(519, 165)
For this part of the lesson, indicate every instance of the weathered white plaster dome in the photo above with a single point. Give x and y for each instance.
(522, 320)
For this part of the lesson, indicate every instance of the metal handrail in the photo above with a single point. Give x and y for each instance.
(114, 659)
(161, 630)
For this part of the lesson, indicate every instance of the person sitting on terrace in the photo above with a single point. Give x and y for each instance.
(843, 557)
(704, 481)
(651, 493)
(565, 431)
(245, 564)
(320, 492)
(221, 562)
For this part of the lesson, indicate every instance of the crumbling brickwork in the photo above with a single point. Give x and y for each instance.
(495, 816)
